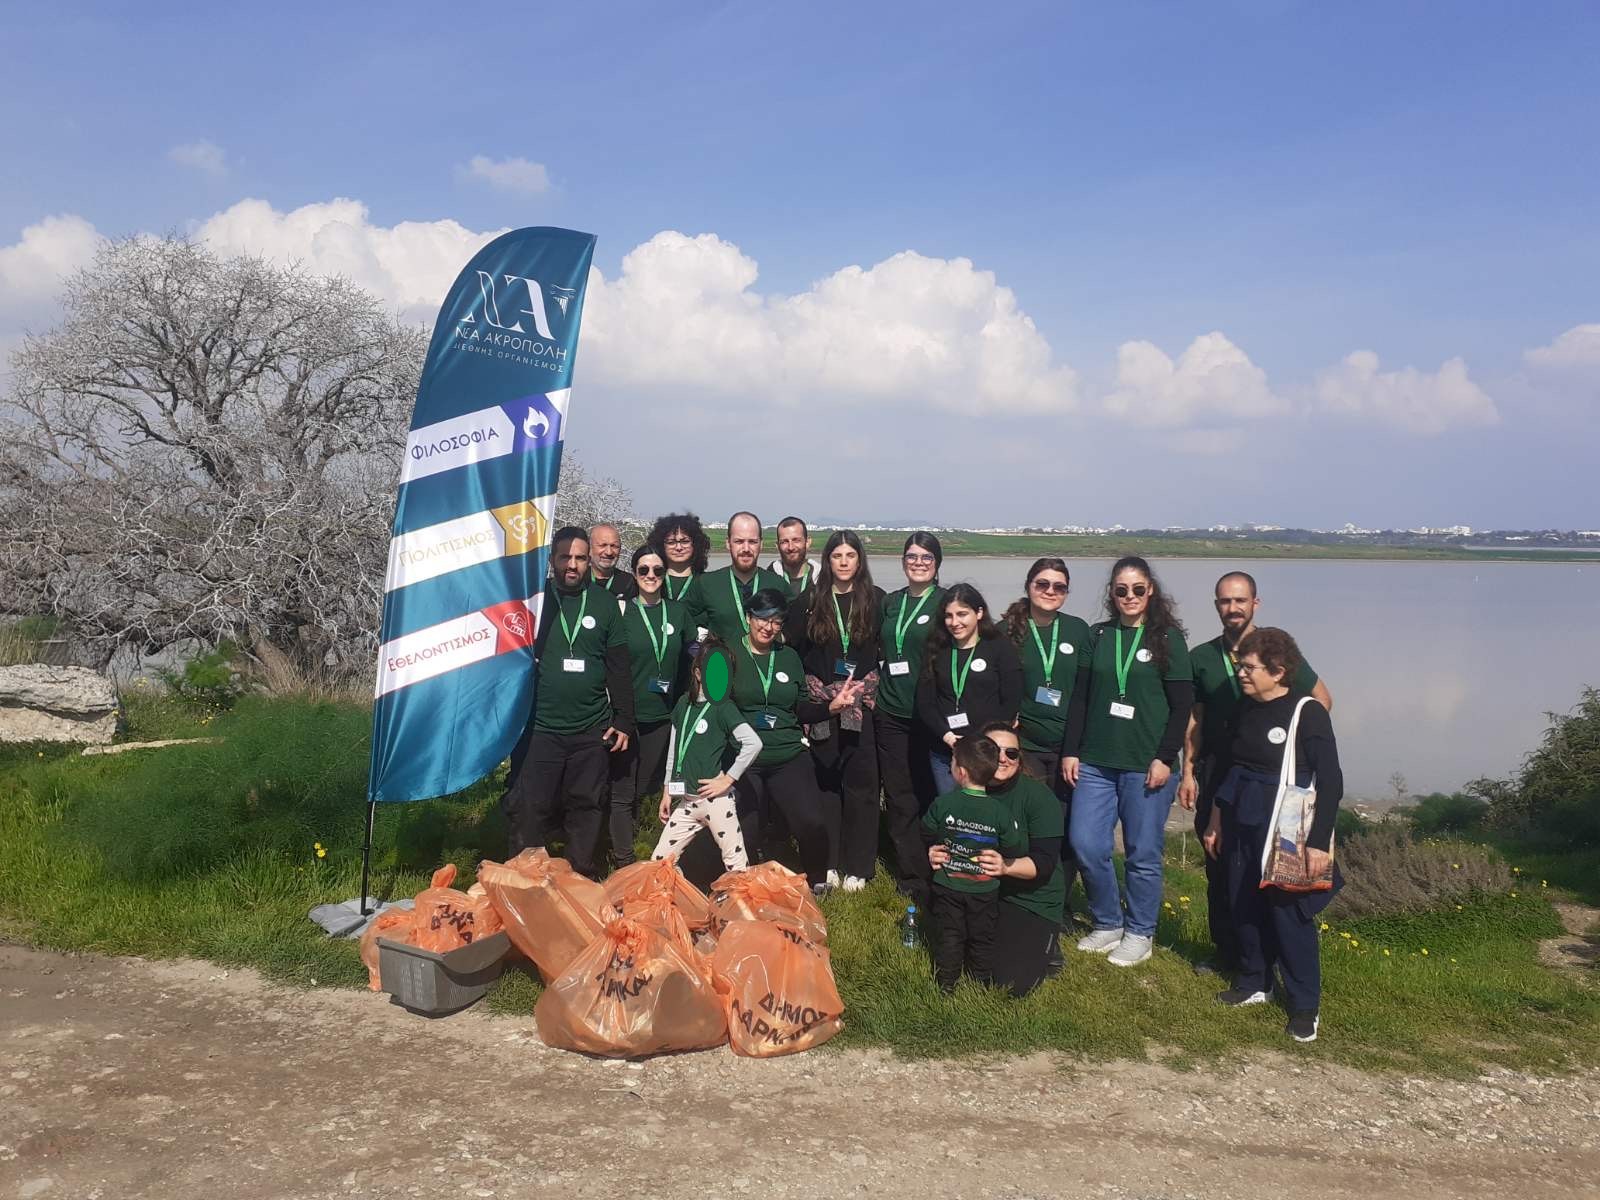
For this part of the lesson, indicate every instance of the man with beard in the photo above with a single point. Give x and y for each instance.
(605, 548)
(1217, 697)
(793, 564)
(716, 600)
(582, 714)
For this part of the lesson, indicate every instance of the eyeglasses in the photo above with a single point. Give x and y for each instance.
(1129, 589)
(920, 560)
(649, 572)
(1010, 752)
(1047, 585)
(1250, 668)
(679, 539)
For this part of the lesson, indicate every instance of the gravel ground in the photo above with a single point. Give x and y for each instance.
(125, 1078)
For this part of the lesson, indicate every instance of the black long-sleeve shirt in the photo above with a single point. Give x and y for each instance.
(1257, 736)
(820, 657)
(992, 690)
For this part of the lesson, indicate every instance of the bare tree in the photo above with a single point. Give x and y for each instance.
(208, 447)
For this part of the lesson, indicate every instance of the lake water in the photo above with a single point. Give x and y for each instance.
(1441, 671)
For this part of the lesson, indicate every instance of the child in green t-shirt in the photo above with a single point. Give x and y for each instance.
(699, 790)
(969, 823)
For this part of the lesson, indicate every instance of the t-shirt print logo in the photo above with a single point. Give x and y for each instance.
(1277, 735)
(950, 820)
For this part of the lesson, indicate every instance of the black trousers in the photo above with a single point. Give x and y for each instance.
(1274, 928)
(789, 790)
(1045, 766)
(907, 792)
(847, 778)
(556, 775)
(964, 934)
(1219, 905)
(1023, 942)
(636, 772)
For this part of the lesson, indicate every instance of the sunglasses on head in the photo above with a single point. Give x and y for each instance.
(649, 572)
(1130, 589)
(1049, 585)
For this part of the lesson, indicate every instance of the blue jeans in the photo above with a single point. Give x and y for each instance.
(943, 780)
(1104, 796)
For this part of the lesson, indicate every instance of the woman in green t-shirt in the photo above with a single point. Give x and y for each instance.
(658, 665)
(1050, 643)
(903, 746)
(1125, 726)
(686, 547)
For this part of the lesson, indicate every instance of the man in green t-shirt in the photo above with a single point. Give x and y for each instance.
(582, 711)
(716, 599)
(1217, 697)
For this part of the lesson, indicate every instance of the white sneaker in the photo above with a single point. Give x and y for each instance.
(1100, 941)
(833, 879)
(853, 883)
(1132, 950)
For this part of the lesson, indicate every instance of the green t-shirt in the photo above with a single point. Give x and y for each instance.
(1042, 725)
(1037, 812)
(716, 600)
(770, 710)
(897, 693)
(576, 701)
(664, 633)
(1216, 685)
(1127, 743)
(970, 822)
(678, 587)
(704, 743)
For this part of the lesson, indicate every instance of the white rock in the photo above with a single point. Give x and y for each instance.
(41, 703)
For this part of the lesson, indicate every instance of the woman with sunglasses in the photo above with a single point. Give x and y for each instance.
(687, 548)
(768, 687)
(654, 627)
(1050, 643)
(1125, 726)
(903, 745)
(971, 676)
(833, 627)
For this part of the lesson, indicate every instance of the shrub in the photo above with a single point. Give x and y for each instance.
(1556, 792)
(210, 680)
(1386, 870)
(1441, 812)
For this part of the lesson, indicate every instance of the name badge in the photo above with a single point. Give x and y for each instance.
(1048, 695)
(677, 787)
(661, 687)
(843, 667)
(956, 720)
(573, 665)
(766, 720)
(899, 668)
(1125, 711)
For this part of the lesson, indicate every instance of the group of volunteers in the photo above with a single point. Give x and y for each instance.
(798, 705)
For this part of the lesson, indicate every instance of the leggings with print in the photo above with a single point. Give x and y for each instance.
(694, 814)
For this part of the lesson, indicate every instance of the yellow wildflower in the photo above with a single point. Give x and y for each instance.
(321, 853)
(1344, 934)
(1183, 899)
(1386, 953)
(1424, 952)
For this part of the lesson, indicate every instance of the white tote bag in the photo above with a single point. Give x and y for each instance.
(1283, 858)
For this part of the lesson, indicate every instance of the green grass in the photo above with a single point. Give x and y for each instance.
(165, 853)
(1571, 869)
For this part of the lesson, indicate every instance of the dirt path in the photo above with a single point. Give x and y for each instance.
(122, 1078)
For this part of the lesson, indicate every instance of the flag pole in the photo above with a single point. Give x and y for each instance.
(366, 856)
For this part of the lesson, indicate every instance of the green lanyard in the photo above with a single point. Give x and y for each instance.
(766, 679)
(1124, 665)
(805, 580)
(683, 585)
(686, 735)
(610, 579)
(583, 607)
(1049, 660)
(844, 631)
(738, 599)
(958, 681)
(659, 645)
(1233, 672)
(903, 621)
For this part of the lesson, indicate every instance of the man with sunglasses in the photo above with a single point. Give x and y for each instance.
(716, 600)
(1217, 699)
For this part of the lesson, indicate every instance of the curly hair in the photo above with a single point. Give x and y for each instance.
(1160, 616)
(690, 524)
(1276, 650)
(1017, 616)
(820, 621)
(939, 639)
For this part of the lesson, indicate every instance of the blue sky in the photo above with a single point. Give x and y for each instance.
(1306, 181)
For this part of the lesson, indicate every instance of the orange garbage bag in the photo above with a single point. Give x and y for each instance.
(768, 891)
(391, 923)
(778, 987)
(631, 992)
(550, 912)
(659, 912)
(659, 875)
(447, 919)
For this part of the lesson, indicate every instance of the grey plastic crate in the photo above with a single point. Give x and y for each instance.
(434, 984)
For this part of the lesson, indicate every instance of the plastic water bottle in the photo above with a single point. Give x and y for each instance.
(908, 927)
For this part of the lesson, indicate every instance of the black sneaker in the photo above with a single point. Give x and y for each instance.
(1302, 1026)
(1238, 997)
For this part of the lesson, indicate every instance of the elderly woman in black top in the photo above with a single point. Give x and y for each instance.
(1275, 927)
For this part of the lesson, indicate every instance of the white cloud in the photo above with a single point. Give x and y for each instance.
(1212, 383)
(31, 269)
(1576, 349)
(684, 312)
(508, 174)
(205, 157)
(1411, 400)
